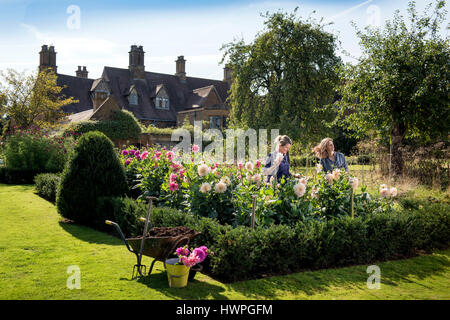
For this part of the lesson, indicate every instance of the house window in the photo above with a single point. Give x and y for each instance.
(162, 103)
(133, 98)
(214, 122)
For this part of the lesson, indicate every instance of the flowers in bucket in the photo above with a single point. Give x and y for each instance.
(191, 257)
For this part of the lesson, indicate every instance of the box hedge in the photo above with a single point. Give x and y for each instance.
(241, 253)
(93, 171)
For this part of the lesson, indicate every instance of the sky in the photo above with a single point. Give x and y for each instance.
(100, 33)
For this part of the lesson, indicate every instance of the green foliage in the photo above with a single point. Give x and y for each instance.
(284, 77)
(399, 87)
(32, 150)
(46, 185)
(123, 125)
(93, 171)
(122, 210)
(240, 253)
(33, 99)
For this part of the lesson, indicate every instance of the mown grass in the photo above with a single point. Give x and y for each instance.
(36, 248)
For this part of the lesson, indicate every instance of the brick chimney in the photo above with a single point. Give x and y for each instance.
(227, 74)
(81, 73)
(136, 66)
(181, 68)
(47, 58)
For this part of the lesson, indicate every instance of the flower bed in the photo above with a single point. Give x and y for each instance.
(225, 192)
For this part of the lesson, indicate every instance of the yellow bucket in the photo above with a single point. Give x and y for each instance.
(177, 274)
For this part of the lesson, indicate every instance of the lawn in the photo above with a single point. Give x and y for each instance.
(36, 248)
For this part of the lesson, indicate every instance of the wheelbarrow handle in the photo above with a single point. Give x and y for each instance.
(111, 223)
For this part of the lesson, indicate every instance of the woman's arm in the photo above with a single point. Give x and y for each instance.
(271, 165)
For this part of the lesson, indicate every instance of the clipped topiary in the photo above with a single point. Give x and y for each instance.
(93, 171)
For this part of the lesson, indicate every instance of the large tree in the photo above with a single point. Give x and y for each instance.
(33, 99)
(284, 77)
(400, 84)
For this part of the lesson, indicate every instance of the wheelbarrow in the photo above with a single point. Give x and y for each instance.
(159, 248)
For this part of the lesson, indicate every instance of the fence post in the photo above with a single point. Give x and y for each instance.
(253, 211)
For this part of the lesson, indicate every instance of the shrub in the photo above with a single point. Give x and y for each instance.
(123, 125)
(300, 161)
(33, 151)
(93, 171)
(46, 185)
(124, 211)
(240, 253)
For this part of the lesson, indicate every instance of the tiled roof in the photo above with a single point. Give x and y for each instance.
(183, 95)
(79, 89)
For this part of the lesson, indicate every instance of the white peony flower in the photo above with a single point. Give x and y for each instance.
(299, 189)
(336, 174)
(256, 178)
(203, 170)
(354, 182)
(393, 192)
(385, 192)
(205, 187)
(220, 187)
(249, 166)
(329, 177)
(303, 180)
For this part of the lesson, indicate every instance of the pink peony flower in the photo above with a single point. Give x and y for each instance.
(182, 251)
(144, 155)
(173, 177)
(125, 152)
(127, 162)
(170, 155)
(195, 148)
(173, 186)
(200, 253)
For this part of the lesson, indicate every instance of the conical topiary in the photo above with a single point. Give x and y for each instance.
(92, 171)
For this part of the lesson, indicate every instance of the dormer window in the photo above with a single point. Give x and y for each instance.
(133, 98)
(162, 99)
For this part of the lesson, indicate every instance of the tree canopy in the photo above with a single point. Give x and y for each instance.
(33, 99)
(284, 77)
(400, 84)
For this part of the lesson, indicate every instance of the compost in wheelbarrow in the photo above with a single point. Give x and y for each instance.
(161, 242)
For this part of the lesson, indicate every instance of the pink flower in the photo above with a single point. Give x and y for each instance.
(173, 177)
(170, 155)
(127, 162)
(191, 260)
(173, 186)
(195, 148)
(182, 251)
(144, 155)
(258, 164)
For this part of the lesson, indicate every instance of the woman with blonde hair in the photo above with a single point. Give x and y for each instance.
(329, 159)
(277, 162)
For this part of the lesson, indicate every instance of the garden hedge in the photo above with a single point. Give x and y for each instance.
(46, 185)
(123, 125)
(241, 254)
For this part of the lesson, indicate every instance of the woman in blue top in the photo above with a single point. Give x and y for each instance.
(277, 162)
(329, 159)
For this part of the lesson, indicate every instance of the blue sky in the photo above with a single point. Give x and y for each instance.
(103, 31)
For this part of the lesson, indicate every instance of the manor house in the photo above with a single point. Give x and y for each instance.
(163, 100)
